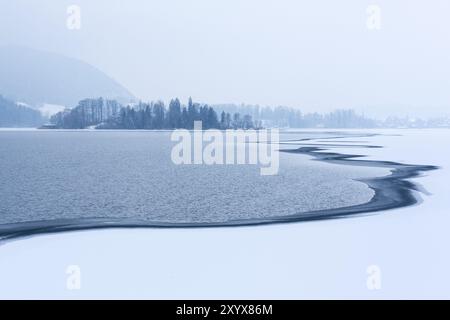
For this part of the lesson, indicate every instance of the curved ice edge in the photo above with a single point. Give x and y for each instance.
(391, 191)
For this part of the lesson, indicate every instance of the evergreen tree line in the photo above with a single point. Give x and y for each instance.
(154, 115)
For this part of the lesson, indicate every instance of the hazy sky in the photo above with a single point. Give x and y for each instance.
(315, 55)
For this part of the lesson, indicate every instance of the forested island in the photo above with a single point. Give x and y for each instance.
(109, 114)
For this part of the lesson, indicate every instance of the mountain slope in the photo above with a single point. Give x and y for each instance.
(14, 115)
(37, 77)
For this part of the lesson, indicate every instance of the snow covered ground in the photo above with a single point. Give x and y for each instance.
(401, 253)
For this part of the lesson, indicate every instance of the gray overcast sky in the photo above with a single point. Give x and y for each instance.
(315, 55)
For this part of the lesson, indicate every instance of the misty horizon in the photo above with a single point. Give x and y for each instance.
(306, 56)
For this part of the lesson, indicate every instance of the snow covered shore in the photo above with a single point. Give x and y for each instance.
(323, 259)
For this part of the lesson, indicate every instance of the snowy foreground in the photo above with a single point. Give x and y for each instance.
(405, 250)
